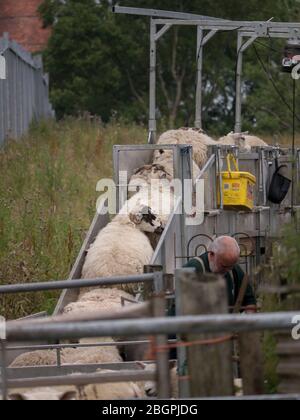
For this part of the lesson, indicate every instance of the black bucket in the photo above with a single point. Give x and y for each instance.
(279, 187)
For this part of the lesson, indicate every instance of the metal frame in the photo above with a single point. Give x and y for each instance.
(207, 28)
(279, 321)
(83, 283)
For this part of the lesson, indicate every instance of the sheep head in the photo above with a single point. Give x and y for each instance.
(145, 220)
(240, 140)
(43, 394)
(143, 176)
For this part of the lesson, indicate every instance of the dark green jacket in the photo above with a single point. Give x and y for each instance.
(234, 282)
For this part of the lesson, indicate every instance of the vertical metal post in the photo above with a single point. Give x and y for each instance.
(58, 358)
(3, 369)
(158, 282)
(116, 162)
(152, 93)
(183, 171)
(198, 118)
(238, 95)
(219, 176)
(294, 149)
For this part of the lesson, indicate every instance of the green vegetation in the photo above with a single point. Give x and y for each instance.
(48, 199)
(99, 62)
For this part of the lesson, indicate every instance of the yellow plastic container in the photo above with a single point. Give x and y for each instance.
(237, 187)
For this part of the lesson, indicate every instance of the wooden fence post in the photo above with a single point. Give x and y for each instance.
(288, 352)
(148, 287)
(251, 360)
(162, 357)
(210, 367)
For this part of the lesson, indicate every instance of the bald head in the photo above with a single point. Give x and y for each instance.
(224, 254)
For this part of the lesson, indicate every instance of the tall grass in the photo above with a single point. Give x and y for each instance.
(47, 201)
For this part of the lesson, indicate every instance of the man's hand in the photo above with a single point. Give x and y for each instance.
(251, 309)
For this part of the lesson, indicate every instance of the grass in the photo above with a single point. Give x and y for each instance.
(47, 201)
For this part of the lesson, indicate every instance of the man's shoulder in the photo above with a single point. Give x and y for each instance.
(239, 272)
(196, 263)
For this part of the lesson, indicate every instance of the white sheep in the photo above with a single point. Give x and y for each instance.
(199, 141)
(108, 299)
(98, 300)
(71, 356)
(35, 358)
(243, 140)
(112, 391)
(60, 393)
(145, 174)
(122, 247)
(96, 392)
(163, 171)
(151, 388)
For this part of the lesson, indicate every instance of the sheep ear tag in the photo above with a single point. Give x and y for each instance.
(2, 68)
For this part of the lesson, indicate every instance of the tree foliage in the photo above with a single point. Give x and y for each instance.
(99, 62)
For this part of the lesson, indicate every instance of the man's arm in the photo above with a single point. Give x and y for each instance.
(250, 303)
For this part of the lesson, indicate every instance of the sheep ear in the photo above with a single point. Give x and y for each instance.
(136, 218)
(141, 365)
(68, 396)
(161, 151)
(17, 397)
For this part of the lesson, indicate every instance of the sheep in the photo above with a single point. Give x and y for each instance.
(100, 300)
(122, 247)
(45, 394)
(111, 391)
(243, 140)
(145, 174)
(71, 356)
(96, 392)
(199, 141)
(35, 358)
(150, 386)
(111, 255)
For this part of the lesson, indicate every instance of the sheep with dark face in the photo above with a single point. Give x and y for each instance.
(122, 248)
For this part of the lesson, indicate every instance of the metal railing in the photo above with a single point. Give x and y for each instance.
(149, 326)
(81, 283)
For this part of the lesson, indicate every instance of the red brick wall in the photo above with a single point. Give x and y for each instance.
(20, 19)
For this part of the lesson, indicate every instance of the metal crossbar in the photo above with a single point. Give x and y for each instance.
(76, 284)
(149, 326)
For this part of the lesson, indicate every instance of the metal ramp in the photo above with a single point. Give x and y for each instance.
(179, 242)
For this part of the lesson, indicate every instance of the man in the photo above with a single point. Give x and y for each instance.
(222, 258)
